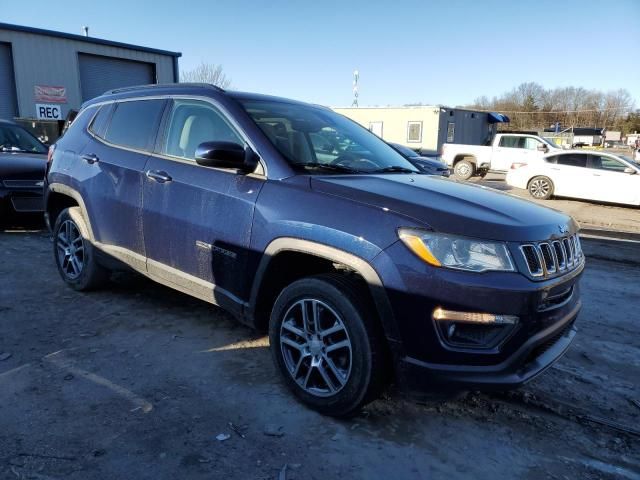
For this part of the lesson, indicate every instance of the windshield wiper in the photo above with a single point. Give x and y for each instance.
(328, 166)
(395, 169)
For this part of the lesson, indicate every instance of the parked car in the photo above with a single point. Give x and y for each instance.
(615, 144)
(299, 221)
(23, 160)
(603, 177)
(505, 149)
(431, 165)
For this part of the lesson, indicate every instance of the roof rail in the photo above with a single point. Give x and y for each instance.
(161, 85)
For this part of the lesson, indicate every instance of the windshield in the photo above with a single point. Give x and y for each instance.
(318, 139)
(630, 160)
(550, 142)
(17, 139)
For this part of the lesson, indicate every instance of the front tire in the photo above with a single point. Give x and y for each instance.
(327, 345)
(74, 254)
(541, 188)
(464, 169)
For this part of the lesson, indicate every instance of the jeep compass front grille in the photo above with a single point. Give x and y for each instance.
(555, 257)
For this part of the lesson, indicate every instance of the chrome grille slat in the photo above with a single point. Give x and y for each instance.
(553, 257)
(547, 256)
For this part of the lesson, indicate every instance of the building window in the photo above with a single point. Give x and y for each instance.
(376, 127)
(414, 132)
(451, 131)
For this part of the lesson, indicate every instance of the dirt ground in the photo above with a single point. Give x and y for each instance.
(136, 381)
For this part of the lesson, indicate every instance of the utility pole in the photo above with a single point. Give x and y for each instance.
(356, 77)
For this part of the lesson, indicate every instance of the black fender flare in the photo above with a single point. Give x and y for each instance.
(357, 264)
(72, 193)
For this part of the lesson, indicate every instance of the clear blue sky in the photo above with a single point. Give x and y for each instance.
(430, 51)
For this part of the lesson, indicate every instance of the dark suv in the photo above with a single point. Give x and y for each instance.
(296, 219)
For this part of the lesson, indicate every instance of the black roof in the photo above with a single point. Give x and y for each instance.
(82, 38)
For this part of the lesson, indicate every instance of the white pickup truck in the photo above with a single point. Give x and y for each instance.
(506, 148)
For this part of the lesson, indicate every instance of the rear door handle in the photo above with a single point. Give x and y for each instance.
(90, 158)
(158, 176)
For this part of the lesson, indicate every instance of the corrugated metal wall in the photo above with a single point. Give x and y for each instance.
(7, 85)
(48, 60)
(99, 74)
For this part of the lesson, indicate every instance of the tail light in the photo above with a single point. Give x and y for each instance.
(516, 165)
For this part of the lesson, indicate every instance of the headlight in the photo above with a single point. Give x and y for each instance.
(461, 253)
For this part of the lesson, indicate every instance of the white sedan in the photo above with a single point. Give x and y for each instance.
(591, 175)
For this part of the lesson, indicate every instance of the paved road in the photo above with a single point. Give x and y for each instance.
(136, 381)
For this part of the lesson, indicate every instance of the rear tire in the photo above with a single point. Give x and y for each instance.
(74, 253)
(464, 169)
(334, 360)
(541, 188)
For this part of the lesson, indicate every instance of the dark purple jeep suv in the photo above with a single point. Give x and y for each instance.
(297, 220)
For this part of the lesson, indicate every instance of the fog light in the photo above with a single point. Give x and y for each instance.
(440, 314)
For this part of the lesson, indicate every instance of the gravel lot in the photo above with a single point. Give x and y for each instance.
(136, 381)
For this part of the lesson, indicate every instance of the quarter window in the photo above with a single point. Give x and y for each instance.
(193, 122)
(99, 122)
(134, 124)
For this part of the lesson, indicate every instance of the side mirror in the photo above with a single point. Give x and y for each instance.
(226, 155)
(543, 148)
(630, 171)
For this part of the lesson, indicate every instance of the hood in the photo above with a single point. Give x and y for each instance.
(451, 207)
(22, 166)
(429, 161)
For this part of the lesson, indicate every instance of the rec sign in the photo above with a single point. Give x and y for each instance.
(48, 112)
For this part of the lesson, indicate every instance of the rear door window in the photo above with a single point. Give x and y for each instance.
(573, 160)
(134, 124)
(509, 141)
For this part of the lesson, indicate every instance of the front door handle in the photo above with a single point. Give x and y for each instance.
(158, 176)
(90, 158)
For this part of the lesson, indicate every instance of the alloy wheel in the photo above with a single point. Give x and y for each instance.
(70, 248)
(316, 348)
(539, 188)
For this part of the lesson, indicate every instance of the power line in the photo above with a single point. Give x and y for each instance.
(599, 110)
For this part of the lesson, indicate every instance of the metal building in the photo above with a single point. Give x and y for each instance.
(426, 128)
(44, 74)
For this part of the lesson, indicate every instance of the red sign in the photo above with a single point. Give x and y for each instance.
(50, 94)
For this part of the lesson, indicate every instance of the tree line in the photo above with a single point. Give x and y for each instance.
(530, 106)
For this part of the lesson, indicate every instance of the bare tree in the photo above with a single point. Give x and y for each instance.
(206, 73)
(532, 107)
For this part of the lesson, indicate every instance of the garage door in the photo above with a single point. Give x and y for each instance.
(99, 74)
(7, 83)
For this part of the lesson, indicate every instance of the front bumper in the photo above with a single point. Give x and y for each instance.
(530, 360)
(425, 360)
